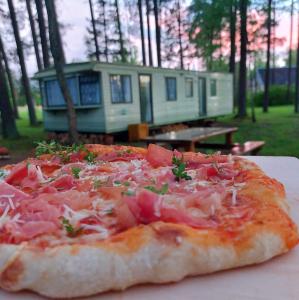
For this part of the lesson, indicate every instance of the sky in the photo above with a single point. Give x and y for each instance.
(74, 14)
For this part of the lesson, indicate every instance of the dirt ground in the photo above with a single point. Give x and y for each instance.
(15, 157)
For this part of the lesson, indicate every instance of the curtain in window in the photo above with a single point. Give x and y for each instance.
(90, 90)
(54, 95)
(126, 81)
(171, 88)
(120, 88)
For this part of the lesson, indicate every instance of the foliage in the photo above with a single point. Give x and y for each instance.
(177, 48)
(108, 34)
(277, 96)
(207, 23)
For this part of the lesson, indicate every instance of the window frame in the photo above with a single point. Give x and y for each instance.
(216, 87)
(166, 88)
(192, 87)
(79, 104)
(131, 90)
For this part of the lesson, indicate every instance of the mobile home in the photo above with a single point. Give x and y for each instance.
(110, 96)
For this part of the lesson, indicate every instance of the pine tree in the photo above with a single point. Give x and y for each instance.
(8, 123)
(25, 79)
(243, 60)
(267, 71)
(34, 35)
(59, 63)
(43, 32)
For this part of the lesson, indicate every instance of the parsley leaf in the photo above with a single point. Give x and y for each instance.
(76, 172)
(71, 231)
(162, 191)
(90, 157)
(179, 170)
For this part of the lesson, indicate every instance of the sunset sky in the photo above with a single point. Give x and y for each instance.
(75, 14)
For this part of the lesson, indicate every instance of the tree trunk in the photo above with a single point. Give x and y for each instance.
(141, 31)
(180, 35)
(232, 58)
(274, 43)
(10, 80)
(25, 80)
(150, 55)
(34, 37)
(158, 32)
(243, 57)
(43, 32)
(267, 72)
(8, 123)
(121, 40)
(297, 75)
(59, 62)
(94, 30)
(290, 53)
(105, 32)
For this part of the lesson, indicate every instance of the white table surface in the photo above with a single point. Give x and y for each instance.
(277, 279)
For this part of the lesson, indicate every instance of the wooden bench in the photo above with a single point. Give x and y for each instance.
(249, 148)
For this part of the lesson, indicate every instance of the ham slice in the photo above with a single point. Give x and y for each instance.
(9, 195)
(158, 156)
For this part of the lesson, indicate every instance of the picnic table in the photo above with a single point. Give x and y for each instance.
(188, 138)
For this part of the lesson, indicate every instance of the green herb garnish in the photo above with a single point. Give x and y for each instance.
(76, 172)
(71, 231)
(90, 157)
(179, 169)
(129, 193)
(162, 191)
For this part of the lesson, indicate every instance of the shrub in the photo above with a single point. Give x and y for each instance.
(277, 96)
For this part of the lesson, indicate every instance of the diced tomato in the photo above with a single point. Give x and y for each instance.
(77, 156)
(158, 156)
(48, 168)
(65, 182)
(113, 193)
(211, 171)
(17, 174)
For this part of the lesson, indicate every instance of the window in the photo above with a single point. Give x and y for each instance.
(121, 90)
(213, 87)
(170, 88)
(189, 87)
(54, 95)
(89, 89)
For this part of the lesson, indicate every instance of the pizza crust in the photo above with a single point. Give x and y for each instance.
(167, 253)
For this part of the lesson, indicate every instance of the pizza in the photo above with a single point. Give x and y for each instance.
(81, 220)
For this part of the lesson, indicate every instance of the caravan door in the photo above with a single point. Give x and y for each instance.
(202, 95)
(146, 104)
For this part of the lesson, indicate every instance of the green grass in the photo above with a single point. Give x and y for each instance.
(279, 128)
(22, 146)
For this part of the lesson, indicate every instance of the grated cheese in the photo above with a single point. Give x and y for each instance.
(5, 217)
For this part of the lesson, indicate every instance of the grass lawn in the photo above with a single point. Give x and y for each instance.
(22, 147)
(279, 128)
